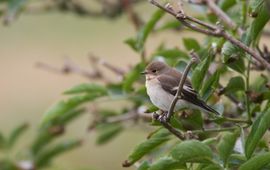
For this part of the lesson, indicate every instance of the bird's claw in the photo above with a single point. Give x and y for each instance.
(162, 118)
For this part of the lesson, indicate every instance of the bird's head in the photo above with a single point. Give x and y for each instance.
(155, 68)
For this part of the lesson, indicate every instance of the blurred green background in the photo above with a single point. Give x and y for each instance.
(26, 91)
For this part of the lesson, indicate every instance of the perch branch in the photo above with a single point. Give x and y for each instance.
(211, 30)
(194, 59)
(164, 120)
(165, 124)
(223, 16)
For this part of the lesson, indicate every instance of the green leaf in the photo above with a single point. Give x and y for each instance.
(210, 141)
(115, 90)
(6, 164)
(16, 134)
(257, 162)
(175, 24)
(87, 88)
(210, 85)
(268, 7)
(193, 121)
(257, 25)
(167, 163)
(209, 167)
(62, 107)
(133, 76)
(14, 7)
(258, 129)
(2, 141)
(235, 160)
(200, 71)
(171, 55)
(226, 4)
(43, 158)
(235, 84)
(144, 166)
(258, 84)
(131, 42)
(233, 57)
(226, 145)
(192, 151)
(176, 123)
(191, 44)
(158, 138)
(107, 112)
(147, 29)
(255, 6)
(107, 132)
(43, 138)
(69, 116)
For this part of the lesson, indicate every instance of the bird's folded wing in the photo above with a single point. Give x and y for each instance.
(170, 84)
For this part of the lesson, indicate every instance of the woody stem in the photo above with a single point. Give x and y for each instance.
(194, 59)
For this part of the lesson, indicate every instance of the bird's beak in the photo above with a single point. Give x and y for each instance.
(144, 72)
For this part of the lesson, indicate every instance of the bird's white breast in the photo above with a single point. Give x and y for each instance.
(159, 97)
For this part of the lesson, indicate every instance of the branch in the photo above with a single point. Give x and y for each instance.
(97, 60)
(131, 115)
(133, 16)
(70, 68)
(228, 119)
(164, 120)
(174, 131)
(211, 30)
(223, 16)
(215, 130)
(194, 59)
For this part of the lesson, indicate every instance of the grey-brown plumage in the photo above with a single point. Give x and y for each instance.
(162, 83)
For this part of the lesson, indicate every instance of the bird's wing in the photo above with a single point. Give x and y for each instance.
(170, 85)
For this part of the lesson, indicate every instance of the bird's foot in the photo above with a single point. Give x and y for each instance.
(165, 117)
(162, 118)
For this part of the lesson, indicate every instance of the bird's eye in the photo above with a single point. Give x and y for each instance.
(154, 71)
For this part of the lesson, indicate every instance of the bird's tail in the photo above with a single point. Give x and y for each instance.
(207, 108)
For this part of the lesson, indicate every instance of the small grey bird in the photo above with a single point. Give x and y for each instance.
(162, 84)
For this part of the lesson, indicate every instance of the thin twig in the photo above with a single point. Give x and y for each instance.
(133, 16)
(118, 71)
(231, 97)
(69, 67)
(228, 119)
(223, 16)
(194, 59)
(246, 95)
(215, 130)
(217, 32)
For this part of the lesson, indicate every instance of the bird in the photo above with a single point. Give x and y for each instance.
(162, 84)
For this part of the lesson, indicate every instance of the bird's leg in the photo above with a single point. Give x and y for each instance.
(164, 116)
(167, 116)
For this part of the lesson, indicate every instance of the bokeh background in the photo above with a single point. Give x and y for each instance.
(27, 91)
